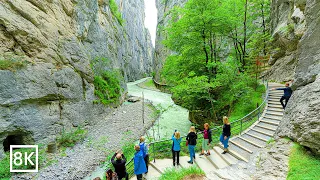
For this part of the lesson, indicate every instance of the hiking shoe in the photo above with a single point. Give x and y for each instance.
(201, 154)
(190, 162)
(224, 152)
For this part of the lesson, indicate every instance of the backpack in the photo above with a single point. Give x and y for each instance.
(142, 148)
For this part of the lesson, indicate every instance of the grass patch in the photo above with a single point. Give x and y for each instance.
(115, 11)
(69, 139)
(149, 83)
(303, 165)
(11, 64)
(179, 174)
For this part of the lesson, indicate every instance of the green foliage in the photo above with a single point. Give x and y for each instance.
(303, 165)
(11, 63)
(179, 174)
(107, 82)
(115, 11)
(69, 139)
(270, 141)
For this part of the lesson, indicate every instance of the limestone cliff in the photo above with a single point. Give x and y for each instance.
(58, 39)
(296, 25)
(161, 53)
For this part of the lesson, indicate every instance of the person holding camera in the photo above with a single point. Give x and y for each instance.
(120, 165)
(176, 140)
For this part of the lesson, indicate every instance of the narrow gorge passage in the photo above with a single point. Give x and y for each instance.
(173, 116)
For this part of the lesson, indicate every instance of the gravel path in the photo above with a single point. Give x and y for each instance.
(108, 135)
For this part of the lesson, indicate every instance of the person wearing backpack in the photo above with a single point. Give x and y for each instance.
(144, 150)
(226, 133)
(192, 142)
(176, 140)
(207, 138)
(139, 164)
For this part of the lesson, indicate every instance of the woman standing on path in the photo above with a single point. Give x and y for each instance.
(176, 147)
(139, 164)
(192, 141)
(207, 138)
(226, 133)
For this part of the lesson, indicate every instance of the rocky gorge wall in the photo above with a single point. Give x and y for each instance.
(296, 25)
(58, 39)
(161, 52)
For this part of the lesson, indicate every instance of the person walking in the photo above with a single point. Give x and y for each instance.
(226, 133)
(192, 142)
(207, 138)
(139, 164)
(144, 150)
(176, 140)
(287, 94)
(120, 165)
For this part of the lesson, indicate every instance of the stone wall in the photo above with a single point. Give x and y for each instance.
(301, 120)
(58, 39)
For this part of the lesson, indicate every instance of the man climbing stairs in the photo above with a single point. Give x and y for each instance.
(241, 147)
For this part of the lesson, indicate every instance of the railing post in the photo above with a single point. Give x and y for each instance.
(154, 153)
(240, 127)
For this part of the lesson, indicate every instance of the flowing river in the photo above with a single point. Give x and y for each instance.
(172, 116)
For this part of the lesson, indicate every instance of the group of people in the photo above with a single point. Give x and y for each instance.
(192, 141)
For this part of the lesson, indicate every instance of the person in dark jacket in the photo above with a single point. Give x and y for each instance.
(207, 138)
(120, 165)
(226, 133)
(286, 96)
(192, 142)
(139, 164)
(176, 147)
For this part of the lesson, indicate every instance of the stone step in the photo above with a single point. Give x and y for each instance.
(269, 122)
(216, 160)
(271, 126)
(229, 159)
(275, 109)
(204, 164)
(184, 162)
(276, 113)
(152, 174)
(250, 141)
(276, 93)
(275, 106)
(262, 131)
(237, 152)
(162, 164)
(241, 146)
(258, 135)
(259, 141)
(274, 102)
(273, 117)
(265, 127)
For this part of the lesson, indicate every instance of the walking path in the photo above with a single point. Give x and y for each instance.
(241, 148)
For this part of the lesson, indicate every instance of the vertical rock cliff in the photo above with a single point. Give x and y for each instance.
(296, 25)
(57, 40)
(161, 53)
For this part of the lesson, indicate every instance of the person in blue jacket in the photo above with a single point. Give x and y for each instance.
(176, 147)
(139, 164)
(144, 150)
(286, 96)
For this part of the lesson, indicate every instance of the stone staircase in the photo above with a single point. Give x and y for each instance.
(241, 148)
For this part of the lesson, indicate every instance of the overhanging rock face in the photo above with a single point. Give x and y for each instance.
(302, 116)
(58, 40)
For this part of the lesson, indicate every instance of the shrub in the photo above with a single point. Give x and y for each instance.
(115, 11)
(69, 139)
(107, 87)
